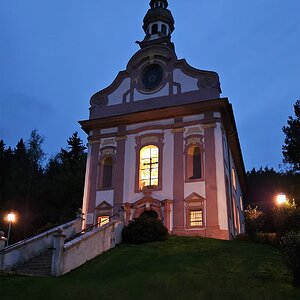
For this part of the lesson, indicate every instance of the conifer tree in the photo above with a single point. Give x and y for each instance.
(291, 147)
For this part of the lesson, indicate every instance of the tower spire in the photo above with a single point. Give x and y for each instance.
(158, 24)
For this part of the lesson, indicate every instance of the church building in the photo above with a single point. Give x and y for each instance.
(162, 140)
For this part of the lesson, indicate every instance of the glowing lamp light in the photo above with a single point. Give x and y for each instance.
(281, 199)
(11, 217)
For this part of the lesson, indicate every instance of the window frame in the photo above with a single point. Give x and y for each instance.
(194, 202)
(109, 153)
(155, 139)
(197, 141)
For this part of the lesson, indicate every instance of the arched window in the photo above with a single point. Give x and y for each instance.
(193, 163)
(149, 166)
(196, 172)
(154, 29)
(107, 165)
(164, 29)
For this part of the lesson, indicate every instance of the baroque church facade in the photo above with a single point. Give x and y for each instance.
(161, 139)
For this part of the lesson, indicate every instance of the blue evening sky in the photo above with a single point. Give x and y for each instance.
(54, 54)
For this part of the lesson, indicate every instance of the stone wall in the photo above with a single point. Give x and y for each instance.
(23, 251)
(75, 253)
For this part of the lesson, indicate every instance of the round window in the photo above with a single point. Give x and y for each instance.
(152, 77)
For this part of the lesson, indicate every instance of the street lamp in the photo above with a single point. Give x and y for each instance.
(11, 217)
(281, 199)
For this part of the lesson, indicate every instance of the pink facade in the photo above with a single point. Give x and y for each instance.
(161, 139)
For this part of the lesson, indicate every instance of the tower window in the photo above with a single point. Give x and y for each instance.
(154, 29)
(164, 29)
(149, 167)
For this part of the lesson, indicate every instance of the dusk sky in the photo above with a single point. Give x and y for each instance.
(55, 54)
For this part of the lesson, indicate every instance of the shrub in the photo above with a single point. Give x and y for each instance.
(267, 238)
(286, 218)
(290, 250)
(144, 229)
(260, 237)
(243, 237)
(254, 220)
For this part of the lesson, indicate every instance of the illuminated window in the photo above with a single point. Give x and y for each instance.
(196, 217)
(241, 203)
(149, 167)
(234, 213)
(233, 175)
(102, 220)
(238, 222)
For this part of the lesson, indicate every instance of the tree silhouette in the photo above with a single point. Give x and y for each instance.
(291, 147)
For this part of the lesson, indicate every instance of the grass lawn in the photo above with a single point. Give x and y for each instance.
(180, 268)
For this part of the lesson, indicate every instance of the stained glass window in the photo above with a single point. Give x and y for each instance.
(149, 167)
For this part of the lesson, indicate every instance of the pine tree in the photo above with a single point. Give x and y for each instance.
(291, 147)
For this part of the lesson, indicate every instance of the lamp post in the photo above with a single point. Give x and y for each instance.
(11, 217)
(281, 199)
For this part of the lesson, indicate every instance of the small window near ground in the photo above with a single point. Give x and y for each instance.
(102, 220)
(196, 218)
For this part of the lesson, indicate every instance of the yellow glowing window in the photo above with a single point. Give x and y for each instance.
(233, 178)
(149, 167)
(102, 220)
(241, 203)
(196, 218)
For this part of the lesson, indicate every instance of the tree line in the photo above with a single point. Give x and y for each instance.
(41, 194)
(265, 183)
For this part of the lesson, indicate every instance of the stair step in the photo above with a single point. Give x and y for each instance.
(38, 266)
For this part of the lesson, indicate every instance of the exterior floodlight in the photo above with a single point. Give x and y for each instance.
(281, 199)
(11, 217)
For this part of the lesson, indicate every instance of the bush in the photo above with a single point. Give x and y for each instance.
(286, 218)
(242, 237)
(260, 237)
(267, 238)
(144, 229)
(290, 250)
(254, 220)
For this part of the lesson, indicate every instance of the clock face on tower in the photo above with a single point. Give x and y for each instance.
(152, 77)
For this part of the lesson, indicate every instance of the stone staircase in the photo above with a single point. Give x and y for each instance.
(38, 266)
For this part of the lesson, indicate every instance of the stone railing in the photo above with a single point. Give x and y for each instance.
(23, 251)
(75, 253)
